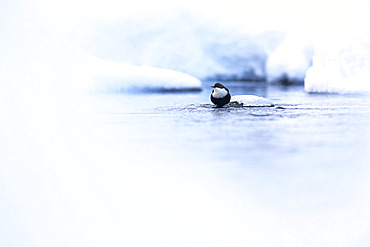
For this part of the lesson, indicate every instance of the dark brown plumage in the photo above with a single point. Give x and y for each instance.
(220, 95)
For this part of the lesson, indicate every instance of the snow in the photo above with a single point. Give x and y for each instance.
(290, 60)
(342, 52)
(175, 37)
(251, 100)
(198, 47)
(59, 66)
(33, 52)
(181, 37)
(341, 64)
(116, 77)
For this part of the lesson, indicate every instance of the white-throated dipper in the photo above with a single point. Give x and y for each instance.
(220, 95)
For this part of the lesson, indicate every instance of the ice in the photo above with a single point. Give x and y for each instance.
(59, 66)
(340, 65)
(200, 48)
(181, 38)
(290, 60)
(341, 52)
(251, 100)
(31, 53)
(117, 77)
(217, 48)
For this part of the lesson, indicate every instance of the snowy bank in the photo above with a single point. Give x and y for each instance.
(251, 100)
(181, 41)
(341, 64)
(207, 48)
(60, 67)
(289, 62)
(222, 44)
(37, 59)
(115, 77)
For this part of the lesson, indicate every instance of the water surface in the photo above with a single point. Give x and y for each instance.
(305, 160)
(169, 169)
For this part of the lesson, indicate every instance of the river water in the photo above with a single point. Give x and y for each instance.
(169, 169)
(303, 128)
(306, 159)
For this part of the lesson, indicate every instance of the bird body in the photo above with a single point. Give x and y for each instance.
(220, 95)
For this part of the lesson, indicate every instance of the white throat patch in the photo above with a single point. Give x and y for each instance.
(219, 92)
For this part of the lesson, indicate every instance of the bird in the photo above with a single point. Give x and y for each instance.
(220, 95)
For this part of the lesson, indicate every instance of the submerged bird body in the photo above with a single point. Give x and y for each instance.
(220, 95)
